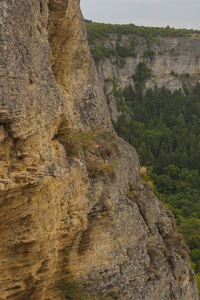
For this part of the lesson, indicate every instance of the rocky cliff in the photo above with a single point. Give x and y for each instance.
(73, 205)
(173, 61)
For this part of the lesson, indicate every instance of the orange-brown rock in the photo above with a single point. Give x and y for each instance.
(73, 206)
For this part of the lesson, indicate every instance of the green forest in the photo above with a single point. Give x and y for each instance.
(164, 127)
(165, 130)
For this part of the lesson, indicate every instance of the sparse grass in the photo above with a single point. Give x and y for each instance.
(105, 150)
(174, 241)
(96, 168)
(97, 147)
(133, 195)
(109, 170)
(72, 290)
(75, 142)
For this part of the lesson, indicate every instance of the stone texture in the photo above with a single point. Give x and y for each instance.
(78, 210)
(180, 55)
(170, 82)
(73, 66)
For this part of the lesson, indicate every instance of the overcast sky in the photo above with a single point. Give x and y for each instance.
(157, 13)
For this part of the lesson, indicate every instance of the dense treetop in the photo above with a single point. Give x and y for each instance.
(165, 130)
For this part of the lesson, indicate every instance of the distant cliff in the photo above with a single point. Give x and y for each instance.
(173, 60)
(77, 219)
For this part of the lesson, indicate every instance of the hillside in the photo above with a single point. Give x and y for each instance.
(154, 98)
(77, 220)
(170, 55)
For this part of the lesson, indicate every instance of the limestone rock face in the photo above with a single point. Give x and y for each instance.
(73, 66)
(73, 206)
(178, 56)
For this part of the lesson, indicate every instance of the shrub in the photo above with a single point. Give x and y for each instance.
(120, 62)
(108, 99)
(109, 79)
(149, 53)
(125, 51)
(185, 75)
(149, 185)
(101, 52)
(142, 72)
(186, 90)
(143, 171)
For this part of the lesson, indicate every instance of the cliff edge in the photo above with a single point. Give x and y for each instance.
(73, 205)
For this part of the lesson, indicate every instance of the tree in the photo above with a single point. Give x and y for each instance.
(142, 72)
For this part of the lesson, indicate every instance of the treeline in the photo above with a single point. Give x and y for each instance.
(101, 31)
(165, 130)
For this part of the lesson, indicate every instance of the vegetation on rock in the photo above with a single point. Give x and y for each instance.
(97, 149)
(142, 73)
(99, 31)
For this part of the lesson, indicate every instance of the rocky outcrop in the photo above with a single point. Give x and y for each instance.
(73, 205)
(172, 55)
(73, 67)
(175, 63)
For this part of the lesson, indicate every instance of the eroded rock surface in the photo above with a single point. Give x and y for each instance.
(73, 206)
(175, 63)
(177, 55)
